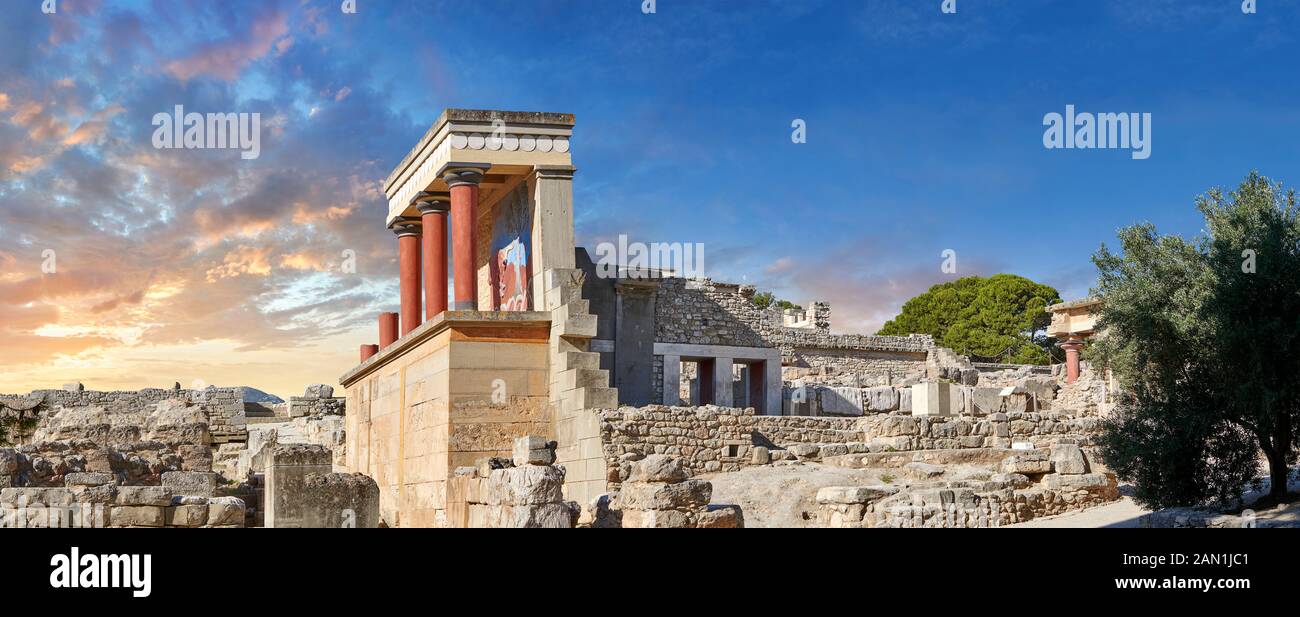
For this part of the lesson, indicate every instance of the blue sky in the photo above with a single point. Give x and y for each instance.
(924, 133)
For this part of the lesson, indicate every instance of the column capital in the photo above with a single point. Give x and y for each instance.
(406, 227)
(458, 174)
(427, 202)
(1071, 344)
(557, 172)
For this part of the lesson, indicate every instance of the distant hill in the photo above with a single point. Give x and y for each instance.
(253, 395)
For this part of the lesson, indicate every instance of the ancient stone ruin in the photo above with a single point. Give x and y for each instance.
(555, 391)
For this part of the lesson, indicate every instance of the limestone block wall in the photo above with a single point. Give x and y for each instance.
(108, 505)
(445, 400)
(302, 492)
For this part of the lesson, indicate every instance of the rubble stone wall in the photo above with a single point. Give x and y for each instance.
(302, 406)
(705, 312)
(108, 505)
(136, 445)
(222, 408)
(713, 439)
(1000, 501)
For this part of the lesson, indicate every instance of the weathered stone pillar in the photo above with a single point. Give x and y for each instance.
(722, 388)
(672, 383)
(387, 329)
(367, 351)
(552, 225)
(408, 258)
(463, 181)
(1072, 347)
(433, 209)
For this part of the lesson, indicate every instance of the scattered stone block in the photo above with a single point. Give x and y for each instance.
(805, 450)
(832, 449)
(522, 486)
(853, 494)
(922, 471)
(687, 494)
(659, 468)
(655, 519)
(136, 516)
(88, 479)
(1028, 464)
(988, 401)
(287, 500)
(720, 517)
(759, 455)
(1068, 459)
(840, 401)
(339, 500)
(187, 515)
(1015, 480)
(226, 512)
(880, 399)
(932, 398)
(532, 450)
(319, 390)
(143, 496)
(196, 483)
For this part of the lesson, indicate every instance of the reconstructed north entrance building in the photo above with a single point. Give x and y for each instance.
(455, 379)
(508, 329)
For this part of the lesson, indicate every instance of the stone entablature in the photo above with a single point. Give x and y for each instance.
(1076, 319)
(510, 142)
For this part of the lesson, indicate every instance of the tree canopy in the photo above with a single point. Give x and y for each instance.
(1000, 316)
(1204, 337)
(764, 299)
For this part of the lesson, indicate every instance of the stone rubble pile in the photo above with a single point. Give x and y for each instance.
(525, 491)
(1030, 485)
(91, 502)
(661, 494)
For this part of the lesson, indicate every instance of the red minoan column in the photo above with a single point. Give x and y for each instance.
(1072, 347)
(408, 257)
(463, 181)
(433, 216)
(387, 329)
(367, 351)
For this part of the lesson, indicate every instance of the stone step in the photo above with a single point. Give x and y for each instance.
(580, 326)
(583, 378)
(590, 398)
(579, 359)
(567, 345)
(578, 307)
(575, 308)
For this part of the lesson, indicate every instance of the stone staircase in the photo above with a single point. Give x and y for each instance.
(943, 362)
(577, 385)
(577, 381)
